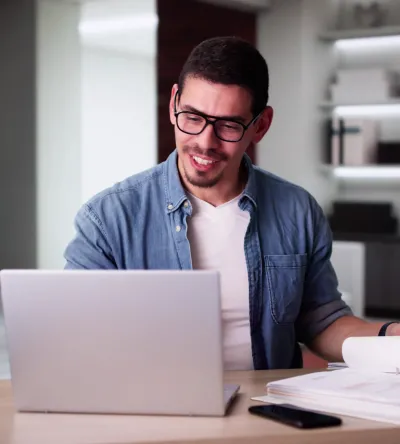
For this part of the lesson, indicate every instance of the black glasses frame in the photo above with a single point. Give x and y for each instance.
(212, 122)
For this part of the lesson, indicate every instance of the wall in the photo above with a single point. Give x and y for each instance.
(17, 134)
(300, 66)
(119, 129)
(58, 162)
(96, 107)
(119, 107)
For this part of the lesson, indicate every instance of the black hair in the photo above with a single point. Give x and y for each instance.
(229, 61)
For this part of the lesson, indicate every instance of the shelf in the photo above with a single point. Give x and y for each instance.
(383, 173)
(331, 105)
(386, 31)
(378, 109)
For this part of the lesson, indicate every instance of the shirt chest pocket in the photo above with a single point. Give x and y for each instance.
(284, 282)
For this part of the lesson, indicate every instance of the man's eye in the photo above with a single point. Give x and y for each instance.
(231, 126)
(193, 118)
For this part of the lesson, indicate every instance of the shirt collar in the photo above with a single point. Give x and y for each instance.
(250, 190)
(175, 193)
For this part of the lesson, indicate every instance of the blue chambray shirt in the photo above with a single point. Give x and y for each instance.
(292, 285)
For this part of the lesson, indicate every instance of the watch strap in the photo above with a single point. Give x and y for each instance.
(382, 331)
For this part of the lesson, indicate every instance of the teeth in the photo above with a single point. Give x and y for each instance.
(202, 161)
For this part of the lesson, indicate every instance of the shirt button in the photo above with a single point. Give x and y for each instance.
(186, 204)
(178, 228)
(170, 206)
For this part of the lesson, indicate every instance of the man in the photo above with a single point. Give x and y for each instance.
(208, 207)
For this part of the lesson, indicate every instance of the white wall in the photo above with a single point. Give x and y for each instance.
(119, 103)
(300, 66)
(58, 164)
(279, 151)
(118, 120)
(96, 108)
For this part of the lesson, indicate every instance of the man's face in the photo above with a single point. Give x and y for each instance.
(204, 159)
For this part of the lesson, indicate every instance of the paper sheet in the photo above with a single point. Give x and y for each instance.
(363, 394)
(377, 353)
(345, 384)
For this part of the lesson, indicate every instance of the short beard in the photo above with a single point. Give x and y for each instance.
(200, 180)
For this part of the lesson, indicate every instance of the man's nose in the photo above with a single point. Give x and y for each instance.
(207, 138)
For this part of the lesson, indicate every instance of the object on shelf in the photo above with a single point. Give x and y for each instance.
(369, 15)
(388, 153)
(352, 141)
(353, 86)
(363, 217)
(366, 14)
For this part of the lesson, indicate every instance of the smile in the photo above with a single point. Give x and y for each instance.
(203, 161)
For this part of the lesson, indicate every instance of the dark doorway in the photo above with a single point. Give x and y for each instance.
(182, 25)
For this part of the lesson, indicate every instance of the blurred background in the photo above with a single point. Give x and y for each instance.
(84, 91)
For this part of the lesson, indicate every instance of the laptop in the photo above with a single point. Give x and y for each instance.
(116, 342)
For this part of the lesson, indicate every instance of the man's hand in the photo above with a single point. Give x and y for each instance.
(329, 343)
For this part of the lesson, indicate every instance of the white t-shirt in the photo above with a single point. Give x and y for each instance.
(216, 236)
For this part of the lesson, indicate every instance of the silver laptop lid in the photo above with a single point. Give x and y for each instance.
(115, 341)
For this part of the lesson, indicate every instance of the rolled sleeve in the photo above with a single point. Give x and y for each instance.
(90, 248)
(314, 322)
(322, 301)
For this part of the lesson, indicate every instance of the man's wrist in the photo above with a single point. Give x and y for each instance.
(386, 329)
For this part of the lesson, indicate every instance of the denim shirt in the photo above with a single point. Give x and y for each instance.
(141, 223)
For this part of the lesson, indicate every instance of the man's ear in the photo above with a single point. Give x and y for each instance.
(263, 124)
(171, 104)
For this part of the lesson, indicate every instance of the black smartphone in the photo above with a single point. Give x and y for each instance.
(294, 416)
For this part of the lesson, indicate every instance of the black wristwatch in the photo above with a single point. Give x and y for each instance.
(382, 331)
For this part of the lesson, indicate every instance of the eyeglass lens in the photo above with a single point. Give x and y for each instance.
(195, 124)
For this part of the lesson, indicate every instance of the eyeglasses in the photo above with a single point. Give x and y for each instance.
(195, 123)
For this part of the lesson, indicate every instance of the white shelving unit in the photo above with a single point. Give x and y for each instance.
(383, 174)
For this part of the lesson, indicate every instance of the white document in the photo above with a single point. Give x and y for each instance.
(336, 365)
(369, 388)
(376, 354)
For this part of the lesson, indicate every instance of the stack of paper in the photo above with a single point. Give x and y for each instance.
(347, 392)
(369, 388)
(336, 365)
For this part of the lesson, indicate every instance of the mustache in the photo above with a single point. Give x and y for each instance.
(211, 153)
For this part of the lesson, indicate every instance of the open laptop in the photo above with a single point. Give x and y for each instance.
(129, 342)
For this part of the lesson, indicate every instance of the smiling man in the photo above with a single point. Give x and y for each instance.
(209, 207)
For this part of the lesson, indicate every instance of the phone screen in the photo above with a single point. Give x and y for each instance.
(294, 416)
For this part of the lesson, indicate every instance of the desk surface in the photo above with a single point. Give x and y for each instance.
(237, 427)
